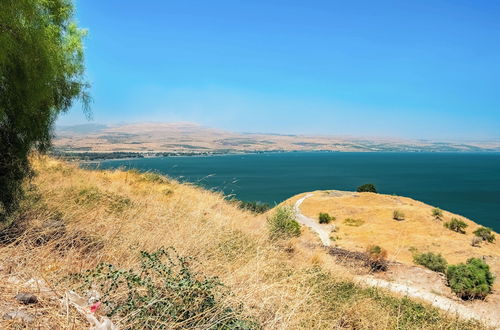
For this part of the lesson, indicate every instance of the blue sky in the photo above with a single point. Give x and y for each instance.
(417, 69)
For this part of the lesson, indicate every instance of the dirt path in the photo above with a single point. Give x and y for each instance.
(420, 291)
(322, 231)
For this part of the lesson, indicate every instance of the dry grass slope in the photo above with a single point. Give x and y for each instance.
(75, 219)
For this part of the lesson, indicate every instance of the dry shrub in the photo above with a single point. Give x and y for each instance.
(376, 258)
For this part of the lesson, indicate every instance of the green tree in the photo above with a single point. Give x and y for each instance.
(41, 74)
(368, 187)
(456, 225)
(470, 280)
(485, 234)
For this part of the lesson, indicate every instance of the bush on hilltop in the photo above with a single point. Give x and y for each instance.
(485, 234)
(472, 280)
(325, 218)
(368, 187)
(432, 261)
(437, 213)
(456, 225)
(398, 215)
(282, 223)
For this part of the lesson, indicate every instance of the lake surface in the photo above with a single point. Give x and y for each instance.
(464, 183)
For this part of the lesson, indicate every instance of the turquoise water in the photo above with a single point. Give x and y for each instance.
(464, 183)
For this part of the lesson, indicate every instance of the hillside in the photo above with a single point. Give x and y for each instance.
(74, 219)
(418, 232)
(189, 138)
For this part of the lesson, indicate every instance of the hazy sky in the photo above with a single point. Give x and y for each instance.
(420, 69)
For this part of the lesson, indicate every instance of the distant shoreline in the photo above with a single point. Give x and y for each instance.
(92, 157)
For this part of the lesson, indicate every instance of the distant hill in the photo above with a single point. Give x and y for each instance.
(193, 138)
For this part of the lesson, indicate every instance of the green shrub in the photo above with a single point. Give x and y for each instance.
(398, 215)
(282, 223)
(368, 187)
(255, 207)
(456, 225)
(485, 234)
(437, 213)
(471, 280)
(163, 292)
(434, 262)
(325, 218)
(353, 222)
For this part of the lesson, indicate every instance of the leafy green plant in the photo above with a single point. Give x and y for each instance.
(437, 213)
(398, 215)
(456, 225)
(282, 223)
(435, 262)
(485, 234)
(325, 218)
(368, 187)
(164, 292)
(472, 280)
(353, 222)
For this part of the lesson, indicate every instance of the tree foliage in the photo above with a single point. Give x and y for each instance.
(485, 233)
(41, 74)
(471, 280)
(456, 225)
(368, 187)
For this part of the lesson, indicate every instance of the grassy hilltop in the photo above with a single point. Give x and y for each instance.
(401, 225)
(72, 220)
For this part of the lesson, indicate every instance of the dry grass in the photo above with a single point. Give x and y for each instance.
(83, 218)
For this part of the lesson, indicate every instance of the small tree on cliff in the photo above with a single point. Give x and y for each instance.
(368, 187)
(41, 74)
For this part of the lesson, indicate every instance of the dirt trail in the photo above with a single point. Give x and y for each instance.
(457, 307)
(322, 231)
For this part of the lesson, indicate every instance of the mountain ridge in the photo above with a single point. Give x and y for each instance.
(186, 137)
